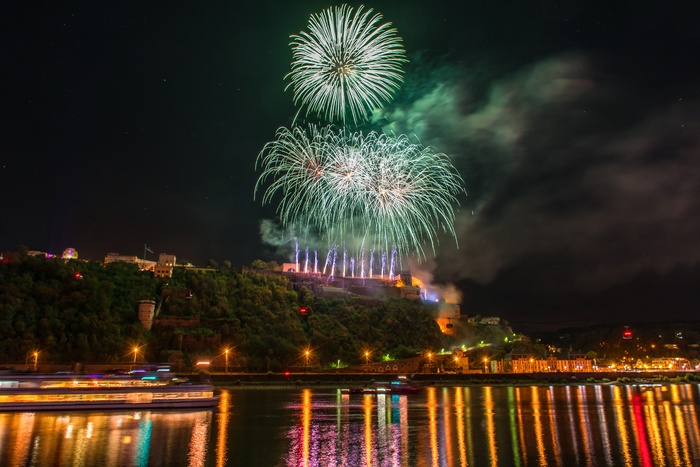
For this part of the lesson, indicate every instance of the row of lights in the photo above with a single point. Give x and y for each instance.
(307, 354)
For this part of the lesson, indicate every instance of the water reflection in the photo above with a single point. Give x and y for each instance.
(138, 438)
(223, 420)
(441, 427)
(555, 425)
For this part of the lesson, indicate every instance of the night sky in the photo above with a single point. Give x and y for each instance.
(575, 125)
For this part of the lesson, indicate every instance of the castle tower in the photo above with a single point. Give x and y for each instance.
(147, 310)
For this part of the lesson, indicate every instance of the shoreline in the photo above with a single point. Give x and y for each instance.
(339, 381)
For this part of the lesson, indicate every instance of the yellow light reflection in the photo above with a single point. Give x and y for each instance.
(459, 408)
(602, 417)
(520, 403)
(669, 433)
(654, 430)
(585, 424)
(114, 438)
(447, 425)
(554, 426)
(367, 406)
(223, 416)
(682, 432)
(305, 424)
(572, 424)
(691, 421)
(490, 425)
(537, 418)
(432, 427)
(81, 448)
(517, 461)
(675, 395)
(619, 403)
(25, 427)
(468, 425)
(198, 443)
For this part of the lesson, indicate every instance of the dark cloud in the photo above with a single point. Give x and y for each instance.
(563, 159)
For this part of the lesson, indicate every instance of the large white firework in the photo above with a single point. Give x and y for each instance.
(346, 65)
(381, 189)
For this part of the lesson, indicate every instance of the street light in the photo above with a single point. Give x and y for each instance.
(430, 362)
(486, 370)
(136, 352)
(226, 353)
(36, 359)
(366, 357)
(307, 361)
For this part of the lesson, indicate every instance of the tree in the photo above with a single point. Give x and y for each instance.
(211, 263)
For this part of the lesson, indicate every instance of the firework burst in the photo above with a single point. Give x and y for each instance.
(346, 64)
(385, 190)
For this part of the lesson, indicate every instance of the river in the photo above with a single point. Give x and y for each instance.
(586, 425)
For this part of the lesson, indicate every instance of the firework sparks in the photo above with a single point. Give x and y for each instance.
(346, 64)
(375, 187)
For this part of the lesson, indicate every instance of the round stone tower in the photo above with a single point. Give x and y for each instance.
(147, 310)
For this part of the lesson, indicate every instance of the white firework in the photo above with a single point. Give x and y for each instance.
(346, 65)
(384, 189)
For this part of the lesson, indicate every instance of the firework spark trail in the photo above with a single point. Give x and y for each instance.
(352, 185)
(362, 261)
(392, 264)
(328, 260)
(345, 258)
(296, 254)
(335, 259)
(346, 64)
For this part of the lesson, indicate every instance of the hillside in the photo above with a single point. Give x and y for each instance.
(88, 312)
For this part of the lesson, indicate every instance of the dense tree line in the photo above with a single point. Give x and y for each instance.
(86, 312)
(69, 312)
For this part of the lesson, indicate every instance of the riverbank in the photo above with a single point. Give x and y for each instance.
(342, 380)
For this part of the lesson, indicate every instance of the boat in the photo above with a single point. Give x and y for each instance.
(358, 391)
(134, 391)
(400, 386)
(404, 387)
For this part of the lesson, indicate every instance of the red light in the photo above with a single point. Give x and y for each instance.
(286, 373)
(303, 311)
(77, 275)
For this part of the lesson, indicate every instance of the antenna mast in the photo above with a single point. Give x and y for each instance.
(145, 249)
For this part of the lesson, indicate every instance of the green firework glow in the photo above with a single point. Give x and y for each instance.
(385, 190)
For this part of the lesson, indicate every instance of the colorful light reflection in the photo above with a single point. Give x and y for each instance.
(556, 425)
